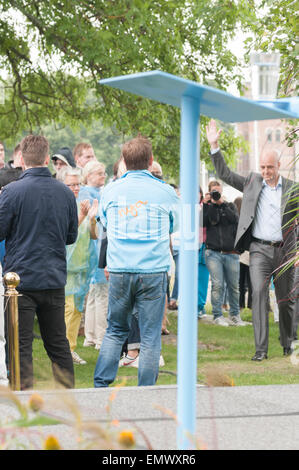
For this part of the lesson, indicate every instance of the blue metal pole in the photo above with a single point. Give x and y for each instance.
(188, 273)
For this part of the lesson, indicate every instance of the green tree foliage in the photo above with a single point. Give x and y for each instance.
(276, 29)
(56, 51)
(105, 142)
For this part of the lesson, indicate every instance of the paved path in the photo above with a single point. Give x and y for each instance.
(251, 417)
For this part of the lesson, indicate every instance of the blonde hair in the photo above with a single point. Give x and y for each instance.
(90, 167)
(156, 168)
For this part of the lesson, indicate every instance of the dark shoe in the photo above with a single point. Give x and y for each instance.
(259, 356)
(172, 305)
(287, 351)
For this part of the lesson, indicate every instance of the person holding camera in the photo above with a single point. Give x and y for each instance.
(221, 220)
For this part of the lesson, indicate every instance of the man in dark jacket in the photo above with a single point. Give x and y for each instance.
(221, 220)
(13, 169)
(38, 217)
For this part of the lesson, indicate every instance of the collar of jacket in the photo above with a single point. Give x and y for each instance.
(36, 171)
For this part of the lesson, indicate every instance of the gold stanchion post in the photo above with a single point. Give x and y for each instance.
(11, 281)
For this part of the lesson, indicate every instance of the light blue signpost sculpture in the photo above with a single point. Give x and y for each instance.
(194, 99)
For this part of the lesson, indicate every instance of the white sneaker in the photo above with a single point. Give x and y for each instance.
(221, 321)
(129, 361)
(236, 320)
(136, 363)
(77, 359)
(161, 362)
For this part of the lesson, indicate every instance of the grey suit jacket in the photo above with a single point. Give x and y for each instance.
(251, 187)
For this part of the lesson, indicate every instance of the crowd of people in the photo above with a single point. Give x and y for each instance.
(105, 256)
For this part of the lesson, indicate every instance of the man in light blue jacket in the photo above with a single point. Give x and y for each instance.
(139, 212)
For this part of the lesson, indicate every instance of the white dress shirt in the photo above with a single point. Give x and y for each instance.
(267, 221)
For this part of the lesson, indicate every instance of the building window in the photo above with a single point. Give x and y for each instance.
(278, 135)
(267, 81)
(269, 135)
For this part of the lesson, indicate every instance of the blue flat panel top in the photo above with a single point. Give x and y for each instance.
(214, 103)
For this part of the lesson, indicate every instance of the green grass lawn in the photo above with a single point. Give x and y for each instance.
(222, 351)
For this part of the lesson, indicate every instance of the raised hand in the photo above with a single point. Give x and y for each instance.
(93, 209)
(84, 207)
(213, 134)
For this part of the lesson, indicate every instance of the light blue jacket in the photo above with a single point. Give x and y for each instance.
(139, 212)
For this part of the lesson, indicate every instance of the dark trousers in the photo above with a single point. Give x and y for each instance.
(264, 262)
(48, 306)
(134, 335)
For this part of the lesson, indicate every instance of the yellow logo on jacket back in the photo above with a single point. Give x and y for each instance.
(132, 209)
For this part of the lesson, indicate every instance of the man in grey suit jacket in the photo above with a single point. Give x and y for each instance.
(266, 228)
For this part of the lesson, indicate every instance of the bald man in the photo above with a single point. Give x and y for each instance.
(266, 229)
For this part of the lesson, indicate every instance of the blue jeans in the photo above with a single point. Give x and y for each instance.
(223, 267)
(146, 293)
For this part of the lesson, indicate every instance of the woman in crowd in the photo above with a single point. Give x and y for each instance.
(95, 324)
(79, 272)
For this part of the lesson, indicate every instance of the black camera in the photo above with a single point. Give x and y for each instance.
(215, 195)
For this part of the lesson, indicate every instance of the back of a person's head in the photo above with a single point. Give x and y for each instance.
(34, 149)
(137, 153)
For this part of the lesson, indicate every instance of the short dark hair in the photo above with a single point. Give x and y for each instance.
(34, 149)
(137, 153)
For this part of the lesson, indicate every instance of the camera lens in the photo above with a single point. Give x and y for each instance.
(215, 195)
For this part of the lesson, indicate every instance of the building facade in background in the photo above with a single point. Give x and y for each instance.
(269, 134)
